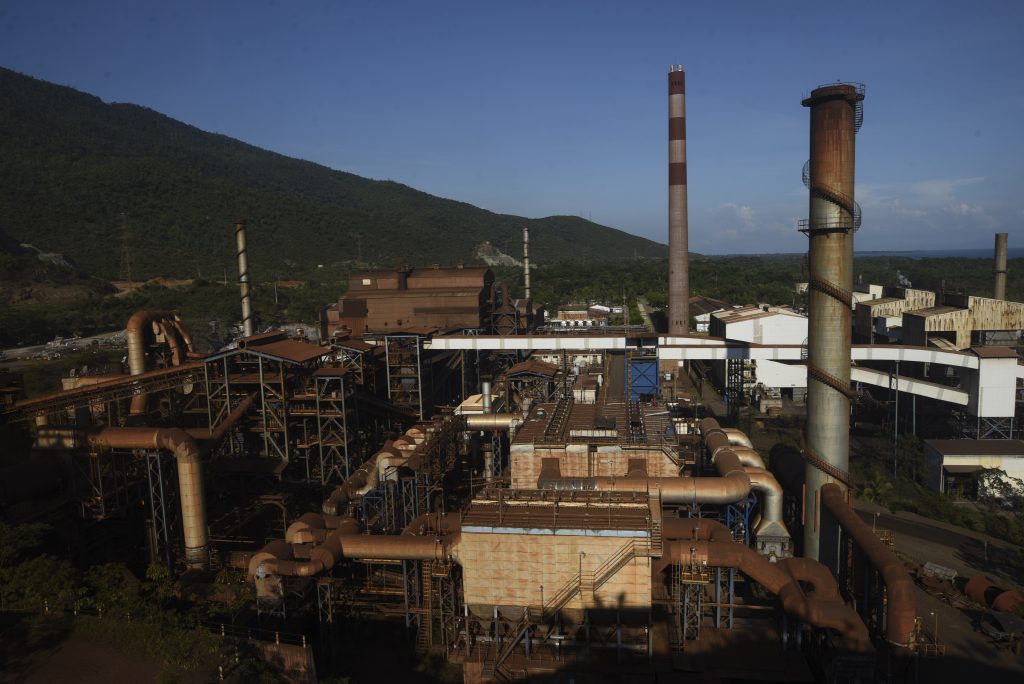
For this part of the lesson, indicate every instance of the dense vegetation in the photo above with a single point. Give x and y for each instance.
(71, 165)
(45, 599)
(211, 307)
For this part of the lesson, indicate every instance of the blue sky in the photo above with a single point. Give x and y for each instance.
(540, 108)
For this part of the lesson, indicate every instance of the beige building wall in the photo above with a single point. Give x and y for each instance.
(576, 460)
(510, 569)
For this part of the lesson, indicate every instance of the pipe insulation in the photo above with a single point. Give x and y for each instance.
(190, 479)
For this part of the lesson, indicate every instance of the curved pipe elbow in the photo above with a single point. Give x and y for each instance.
(771, 491)
(900, 611)
(738, 438)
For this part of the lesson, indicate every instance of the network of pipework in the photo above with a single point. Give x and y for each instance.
(522, 502)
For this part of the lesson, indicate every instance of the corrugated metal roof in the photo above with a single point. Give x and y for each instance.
(880, 300)
(933, 311)
(995, 352)
(294, 351)
(533, 367)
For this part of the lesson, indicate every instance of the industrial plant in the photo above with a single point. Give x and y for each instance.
(546, 501)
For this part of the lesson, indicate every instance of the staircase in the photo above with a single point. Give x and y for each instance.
(424, 634)
(837, 198)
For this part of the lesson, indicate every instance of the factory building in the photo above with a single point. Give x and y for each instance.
(516, 502)
(762, 325)
(458, 298)
(954, 465)
(701, 308)
(950, 321)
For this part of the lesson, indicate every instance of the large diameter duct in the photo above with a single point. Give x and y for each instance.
(733, 485)
(835, 114)
(899, 588)
(279, 558)
(190, 479)
(678, 231)
(1000, 266)
(526, 261)
(823, 610)
(243, 278)
(138, 325)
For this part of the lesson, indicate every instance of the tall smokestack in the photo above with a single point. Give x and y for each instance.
(1000, 292)
(526, 260)
(836, 113)
(678, 238)
(243, 278)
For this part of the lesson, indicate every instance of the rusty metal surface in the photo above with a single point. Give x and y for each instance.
(831, 182)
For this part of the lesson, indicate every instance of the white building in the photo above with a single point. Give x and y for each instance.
(770, 326)
(954, 464)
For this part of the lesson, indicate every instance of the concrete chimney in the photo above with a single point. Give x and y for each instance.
(243, 278)
(526, 261)
(678, 231)
(836, 112)
(1000, 290)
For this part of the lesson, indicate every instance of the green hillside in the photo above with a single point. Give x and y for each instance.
(71, 164)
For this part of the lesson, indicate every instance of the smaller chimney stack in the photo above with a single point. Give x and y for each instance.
(485, 392)
(243, 278)
(526, 260)
(1000, 267)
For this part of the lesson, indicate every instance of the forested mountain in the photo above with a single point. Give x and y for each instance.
(70, 165)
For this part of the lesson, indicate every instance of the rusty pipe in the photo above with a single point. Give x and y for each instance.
(814, 610)
(135, 334)
(732, 485)
(276, 560)
(190, 478)
(899, 619)
(211, 438)
(186, 336)
(314, 528)
(362, 480)
(170, 334)
(494, 421)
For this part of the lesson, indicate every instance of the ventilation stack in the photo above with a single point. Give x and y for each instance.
(836, 115)
(526, 261)
(678, 237)
(1000, 290)
(243, 279)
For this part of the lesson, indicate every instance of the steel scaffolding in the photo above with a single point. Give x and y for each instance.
(405, 371)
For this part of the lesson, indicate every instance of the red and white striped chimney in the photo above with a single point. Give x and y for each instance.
(678, 238)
